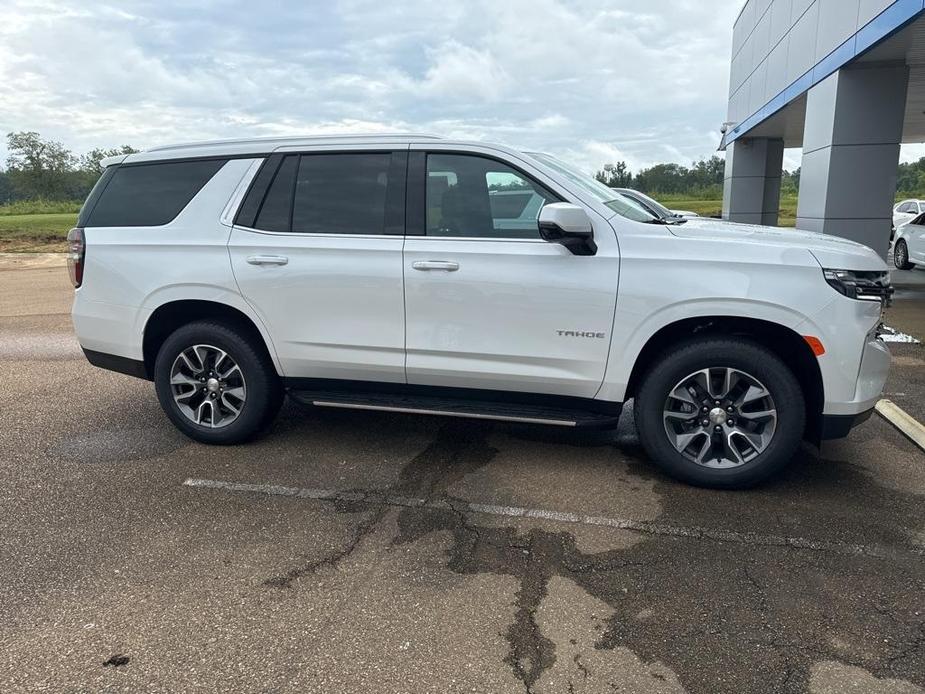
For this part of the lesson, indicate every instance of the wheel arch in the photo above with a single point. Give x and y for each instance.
(170, 316)
(782, 340)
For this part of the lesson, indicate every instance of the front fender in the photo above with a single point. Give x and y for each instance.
(626, 347)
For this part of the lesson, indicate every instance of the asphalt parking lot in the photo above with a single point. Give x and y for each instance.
(353, 551)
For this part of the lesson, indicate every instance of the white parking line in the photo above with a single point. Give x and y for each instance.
(696, 533)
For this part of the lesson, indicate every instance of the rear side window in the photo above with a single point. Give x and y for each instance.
(150, 194)
(275, 212)
(341, 194)
(338, 193)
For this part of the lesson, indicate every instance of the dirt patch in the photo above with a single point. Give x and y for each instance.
(26, 260)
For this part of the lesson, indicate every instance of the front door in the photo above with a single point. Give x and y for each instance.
(320, 261)
(489, 304)
(915, 233)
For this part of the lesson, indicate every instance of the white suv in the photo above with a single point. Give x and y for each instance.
(372, 273)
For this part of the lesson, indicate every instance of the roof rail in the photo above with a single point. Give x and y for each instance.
(292, 138)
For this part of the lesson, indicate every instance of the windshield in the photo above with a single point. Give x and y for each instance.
(658, 207)
(620, 204)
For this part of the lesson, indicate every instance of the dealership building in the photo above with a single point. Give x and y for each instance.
(844, 80)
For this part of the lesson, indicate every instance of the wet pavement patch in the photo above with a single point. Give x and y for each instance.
(743, 615)
(122, 445)
(118, 660)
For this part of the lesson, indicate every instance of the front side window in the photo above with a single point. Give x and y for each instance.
(476, 197)
(620, 204)
(142, 195)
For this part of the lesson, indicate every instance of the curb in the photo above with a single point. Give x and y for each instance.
(902, 420)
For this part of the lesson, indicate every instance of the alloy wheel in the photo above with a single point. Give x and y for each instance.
(208, 386)
(720, 417)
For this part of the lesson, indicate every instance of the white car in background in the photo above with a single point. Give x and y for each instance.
(909, 246)
(654, 206)
(906, 211)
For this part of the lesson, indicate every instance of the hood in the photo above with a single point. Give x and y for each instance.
(832, 252)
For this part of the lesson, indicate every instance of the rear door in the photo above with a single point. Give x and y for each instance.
(317, 252)
(489, 304)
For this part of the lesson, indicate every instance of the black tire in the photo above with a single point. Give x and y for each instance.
(264, 394)
(901, 256)
(737, 353)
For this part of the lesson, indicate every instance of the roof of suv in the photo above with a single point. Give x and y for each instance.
(263, 145)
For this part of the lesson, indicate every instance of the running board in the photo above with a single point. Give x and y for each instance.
(463, 408)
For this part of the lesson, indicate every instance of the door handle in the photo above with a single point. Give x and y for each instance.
(445, 265)
(268, 260)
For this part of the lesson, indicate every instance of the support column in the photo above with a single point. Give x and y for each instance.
(751, 189)
(854, 124)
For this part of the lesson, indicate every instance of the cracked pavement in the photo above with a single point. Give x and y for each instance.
(115, 576)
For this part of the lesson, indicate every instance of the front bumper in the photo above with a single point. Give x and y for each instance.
(838, 426)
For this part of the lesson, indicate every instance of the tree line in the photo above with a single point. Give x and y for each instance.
(703, 180)
(41, 169)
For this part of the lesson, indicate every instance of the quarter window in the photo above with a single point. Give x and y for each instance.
(144, 195)
(471, 196)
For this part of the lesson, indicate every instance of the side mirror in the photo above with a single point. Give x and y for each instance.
(562, 222)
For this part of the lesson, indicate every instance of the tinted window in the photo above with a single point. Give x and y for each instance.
(508, 204)
(470, 196)
(341, 193)
(277, 205)
(150, 194)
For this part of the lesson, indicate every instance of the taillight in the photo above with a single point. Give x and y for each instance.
(76, 251)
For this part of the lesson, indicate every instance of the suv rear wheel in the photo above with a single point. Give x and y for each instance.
(215, 385)
(720, 412)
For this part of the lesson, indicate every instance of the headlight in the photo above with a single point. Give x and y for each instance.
(861, 285)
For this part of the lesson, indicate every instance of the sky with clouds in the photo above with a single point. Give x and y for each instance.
(593, 81)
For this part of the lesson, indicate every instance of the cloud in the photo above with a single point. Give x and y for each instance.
(643, 81)
(459, 72)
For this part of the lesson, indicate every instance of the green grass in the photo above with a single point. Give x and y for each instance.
(40, 207)
(35, 233)
(714, 208)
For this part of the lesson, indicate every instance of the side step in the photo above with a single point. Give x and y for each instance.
(465, 408)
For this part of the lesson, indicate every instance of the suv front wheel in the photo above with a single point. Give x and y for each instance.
(722, 413)
(215, 385)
